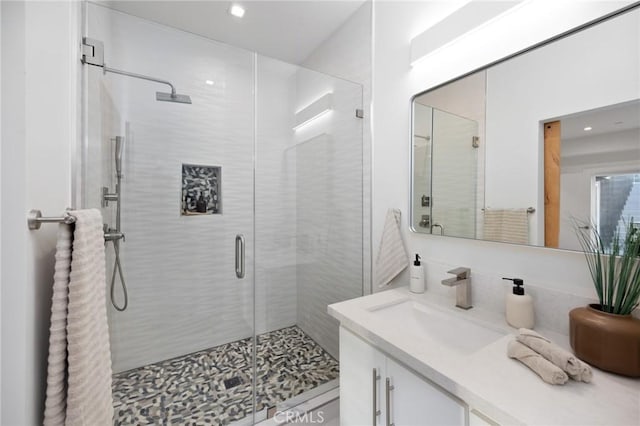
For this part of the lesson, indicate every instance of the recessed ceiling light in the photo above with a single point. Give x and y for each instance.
(209, 82)
(588, 129)
(237, 10)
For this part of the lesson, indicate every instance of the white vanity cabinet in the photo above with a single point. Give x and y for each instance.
(376, 390)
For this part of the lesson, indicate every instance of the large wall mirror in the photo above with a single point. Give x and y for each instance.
(519, 151)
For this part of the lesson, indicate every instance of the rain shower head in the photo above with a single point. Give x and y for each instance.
(96, 58)
(168, 97)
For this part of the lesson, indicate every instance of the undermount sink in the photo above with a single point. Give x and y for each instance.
(432, 325)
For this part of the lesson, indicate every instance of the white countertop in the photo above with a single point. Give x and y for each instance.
(487, 380)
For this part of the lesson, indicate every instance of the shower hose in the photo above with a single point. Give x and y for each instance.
(117, 267)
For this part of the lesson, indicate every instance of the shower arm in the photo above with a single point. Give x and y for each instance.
(107, 69)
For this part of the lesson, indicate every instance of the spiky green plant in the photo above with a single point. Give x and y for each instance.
(616, 270)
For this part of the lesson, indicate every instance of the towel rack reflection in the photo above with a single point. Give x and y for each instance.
(529, 210)
(35, 219)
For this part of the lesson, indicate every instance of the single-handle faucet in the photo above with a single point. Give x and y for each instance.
(462, 282)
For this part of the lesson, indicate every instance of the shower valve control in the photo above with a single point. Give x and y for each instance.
(111, 234)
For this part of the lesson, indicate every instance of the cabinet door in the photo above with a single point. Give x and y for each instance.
(360, 395)
(413, 401)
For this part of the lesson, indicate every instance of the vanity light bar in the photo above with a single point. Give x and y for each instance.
(467, 18)
(315, 109)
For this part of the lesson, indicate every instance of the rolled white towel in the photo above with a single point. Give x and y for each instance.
(585, 374)
(554, 353)
(549, 372)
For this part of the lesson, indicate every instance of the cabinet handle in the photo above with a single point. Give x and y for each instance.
(375, 377)
(240, 256)
(388, 389)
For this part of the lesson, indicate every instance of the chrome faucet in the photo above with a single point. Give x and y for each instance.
(462, 283)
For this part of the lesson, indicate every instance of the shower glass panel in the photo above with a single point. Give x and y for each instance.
(210, 335)
(454, 174)
(309, 233)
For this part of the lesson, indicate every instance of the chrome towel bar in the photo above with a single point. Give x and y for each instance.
(529, 210)
(35, 219)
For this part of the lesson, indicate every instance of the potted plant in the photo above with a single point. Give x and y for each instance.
(606, 335)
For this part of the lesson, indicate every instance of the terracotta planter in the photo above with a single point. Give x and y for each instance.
(607, 341)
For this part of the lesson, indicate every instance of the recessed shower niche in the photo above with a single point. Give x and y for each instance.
(201, 190)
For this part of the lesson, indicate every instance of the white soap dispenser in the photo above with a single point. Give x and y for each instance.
(416, 284)
(519, 306)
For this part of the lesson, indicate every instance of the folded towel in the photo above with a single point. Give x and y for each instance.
(392, 255)
(543, 368)
(585, 374)
(506, 225)
(554, 353)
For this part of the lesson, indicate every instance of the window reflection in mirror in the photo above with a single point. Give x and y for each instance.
(551, 125)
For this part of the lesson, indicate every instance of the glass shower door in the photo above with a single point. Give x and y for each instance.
(309, 228)
(182, 350)
(266, 162)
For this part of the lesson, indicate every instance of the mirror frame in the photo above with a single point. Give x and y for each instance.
(558, 37)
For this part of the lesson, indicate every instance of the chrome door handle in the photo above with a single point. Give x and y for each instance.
(376, 412)
(240, 256)
(388, 389)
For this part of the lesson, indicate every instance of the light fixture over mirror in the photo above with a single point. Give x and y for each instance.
(517, 151)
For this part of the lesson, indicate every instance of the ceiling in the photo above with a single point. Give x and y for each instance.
(285, 30)
(610, 119)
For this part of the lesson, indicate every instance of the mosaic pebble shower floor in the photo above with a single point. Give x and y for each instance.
(191, 389)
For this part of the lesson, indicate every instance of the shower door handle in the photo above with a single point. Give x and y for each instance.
(240, 256)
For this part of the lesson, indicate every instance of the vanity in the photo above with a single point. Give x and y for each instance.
(415, 359)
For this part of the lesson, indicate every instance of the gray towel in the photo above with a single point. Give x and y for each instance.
(543, 368)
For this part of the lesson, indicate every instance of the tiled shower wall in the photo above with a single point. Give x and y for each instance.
(275, 183)
(183, 292)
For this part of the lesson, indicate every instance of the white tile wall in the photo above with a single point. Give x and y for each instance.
(183, 292)
(275, 195)
(307, 204)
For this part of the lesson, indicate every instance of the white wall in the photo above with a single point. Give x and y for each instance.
(39, 64)
(557, 279)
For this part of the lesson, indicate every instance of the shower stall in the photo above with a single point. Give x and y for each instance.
(243, 216)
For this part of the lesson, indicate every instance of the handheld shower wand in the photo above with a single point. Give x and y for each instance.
(119, 147)
(115, 235)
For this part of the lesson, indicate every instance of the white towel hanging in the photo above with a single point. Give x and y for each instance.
(79, 372)
(392, 255)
